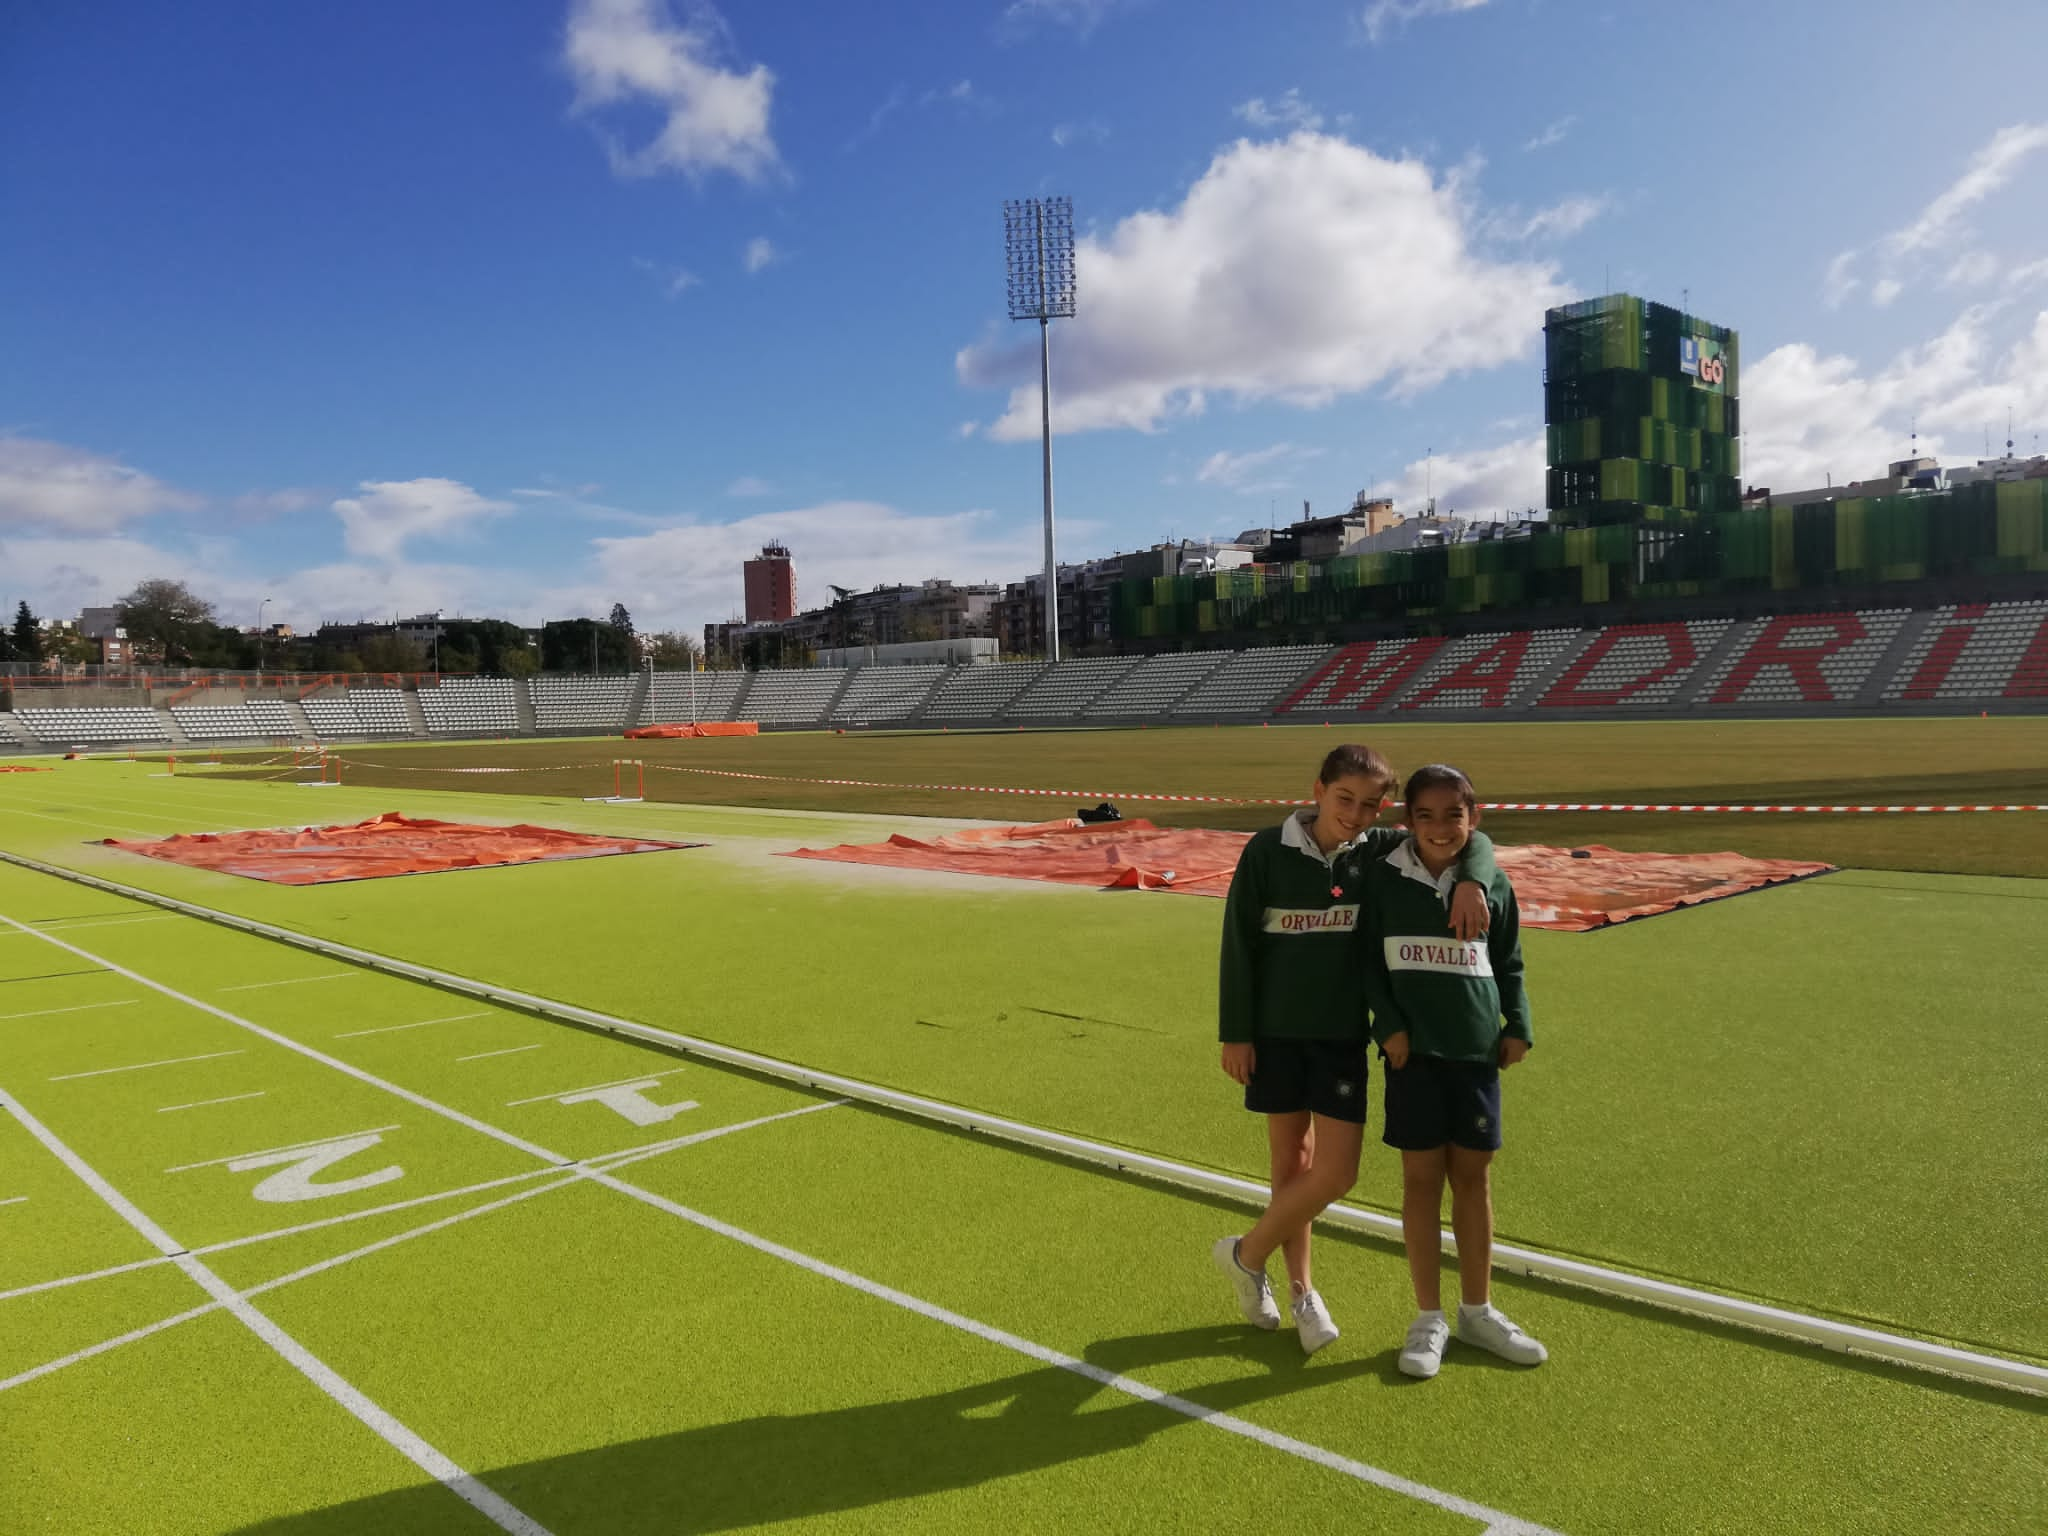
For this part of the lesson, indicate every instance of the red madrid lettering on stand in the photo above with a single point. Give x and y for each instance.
(1949, 643)
(2030, 678)
(1491, 673)
(1359, 668)
(1775, 647)
(1569, 693)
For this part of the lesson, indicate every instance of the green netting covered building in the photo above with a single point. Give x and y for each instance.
(1641, 414)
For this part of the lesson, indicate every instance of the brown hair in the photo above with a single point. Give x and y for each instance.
(1439, 776)
(1352, 760)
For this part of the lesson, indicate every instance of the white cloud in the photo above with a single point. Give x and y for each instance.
(1382, 15)
(1297, 270)
(1560, 221)
(716, 118)
(759, 254)
(672, 281)
(1064, 134)
(1256, 473)
(260, 505)
(1084, 16)
(1503, 480)
(1554, 134)
(379, 523)
(690, 573)
(1914, 249)
(2027, 275)
(1806, 416)
(750, 485)
(1289, 113)
(59, 488)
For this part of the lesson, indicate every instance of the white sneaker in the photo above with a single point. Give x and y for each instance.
(1312, 1322)
(1489, 1330)
(1254, 1291)
(1422, 1352)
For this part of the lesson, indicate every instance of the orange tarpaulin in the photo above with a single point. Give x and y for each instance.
(390, 844)
(702, 728)
(26, 768)
(1554, 888)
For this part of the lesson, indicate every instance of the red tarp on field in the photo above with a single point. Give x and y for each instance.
(390, 844)
(26, 768)
(702, 728)
(1554, 889)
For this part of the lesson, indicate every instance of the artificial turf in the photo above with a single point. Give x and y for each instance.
(1869, 761)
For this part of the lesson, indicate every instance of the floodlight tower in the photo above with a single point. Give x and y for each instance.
(1038, 240)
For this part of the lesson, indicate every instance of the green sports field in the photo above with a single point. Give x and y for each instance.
(382, 1248)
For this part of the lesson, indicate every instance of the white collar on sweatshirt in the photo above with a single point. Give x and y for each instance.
(1409, 862)
(1295, 834)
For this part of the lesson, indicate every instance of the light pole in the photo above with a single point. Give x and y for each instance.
(1038, 246)
(259, 637)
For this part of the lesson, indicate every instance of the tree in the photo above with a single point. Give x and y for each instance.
(622, 621)
(578, 645)
(166, 620)
(28, 640)
(390, 653)
(672, 651)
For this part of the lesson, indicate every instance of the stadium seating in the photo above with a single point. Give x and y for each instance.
(1249, 681)
(675, 696)
(1067, 687)
(1978, 651)
(981, 692)
(12, 733)
(581, 703)
(1361, 677)
(886, 693)
(363, 712)
(1638, 666)
(1491, 671)
(59, 727)
(476, 705)
(221, 722)
(1151, 687)
(794, 697)
(1802, 658)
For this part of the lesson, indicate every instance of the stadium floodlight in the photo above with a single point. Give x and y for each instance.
(1038, 242)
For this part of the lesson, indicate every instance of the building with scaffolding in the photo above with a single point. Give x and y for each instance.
(1640, 406)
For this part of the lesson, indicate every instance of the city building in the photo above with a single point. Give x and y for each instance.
(771, 585)
(1641, 410)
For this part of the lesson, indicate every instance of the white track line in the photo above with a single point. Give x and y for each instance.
(434, 1463)
(294, 981)
(67, 923)
(593, 1087)
(579, 1174)
(293, 1146)
(510, 1050)
(44, 1013)
(233, 1098)
(143, 1066)
(388, 1029)
(419, 1099)
(17, 1200)
(1690, 1301)
(1497, 1522)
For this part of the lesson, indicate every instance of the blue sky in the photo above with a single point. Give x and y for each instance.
(522, 308)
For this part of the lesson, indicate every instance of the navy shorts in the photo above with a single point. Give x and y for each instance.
(1326, 1077)
(1432, 1101)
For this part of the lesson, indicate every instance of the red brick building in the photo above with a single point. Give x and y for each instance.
(771, 585)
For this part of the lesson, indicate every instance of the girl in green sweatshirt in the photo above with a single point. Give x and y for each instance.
(1292, 1015)
(1448, 1015)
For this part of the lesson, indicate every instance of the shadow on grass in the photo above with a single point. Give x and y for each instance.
(775, 1467)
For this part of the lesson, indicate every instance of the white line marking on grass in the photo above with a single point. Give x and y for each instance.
(233, 1098)
(143, 1066)
(387, 1029)
(130, 1337)
(96, 921)
(1497, 1522)
(97, 1274)
(510, 1050)
(257, 986)
(1690, 1301)
(644, 1077)
(436, 1465)
(419, 1099)
(17, 1200)
(43, 1013)
(296, 1146)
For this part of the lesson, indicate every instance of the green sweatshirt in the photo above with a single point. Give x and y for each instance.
(1290, 945)
(1450, 997)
